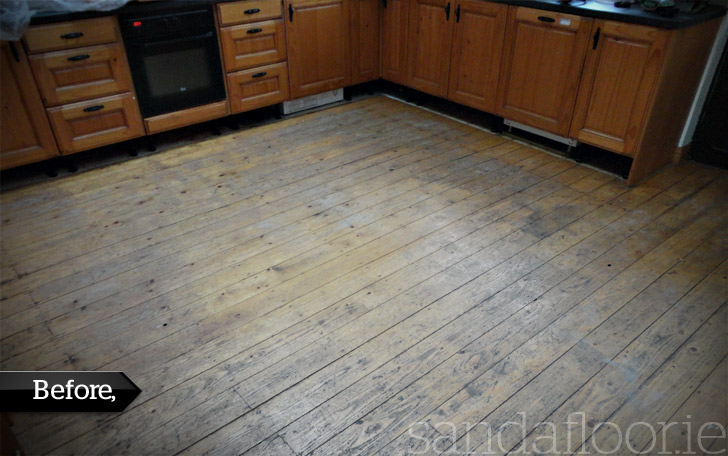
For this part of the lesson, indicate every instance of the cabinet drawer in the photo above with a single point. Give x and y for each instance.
(549, 18)
(94, 123)
(81, 74)
(67, 35)
(258, 87)
(249, 11)
(251, 45)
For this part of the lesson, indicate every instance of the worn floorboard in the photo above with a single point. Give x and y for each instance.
(372, 279)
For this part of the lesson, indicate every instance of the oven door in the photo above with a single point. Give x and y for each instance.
(171, 74)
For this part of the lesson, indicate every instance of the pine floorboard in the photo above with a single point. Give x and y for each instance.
(371, 278)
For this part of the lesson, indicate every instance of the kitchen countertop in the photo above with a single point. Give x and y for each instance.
(588, 8)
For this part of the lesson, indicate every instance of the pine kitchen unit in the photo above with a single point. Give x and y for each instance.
(605, 83)
(318, 38)
(83, 77)
(26, 134)
(253, 43)
(594, 74)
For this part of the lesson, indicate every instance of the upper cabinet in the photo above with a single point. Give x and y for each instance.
(476, 53)
(542, 61)
(26, 136)
(622, 66)
(429, 42)
(365, 35)
(319, 55)
(395, 14)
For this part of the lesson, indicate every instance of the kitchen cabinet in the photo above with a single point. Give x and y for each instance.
(258, 87)
(254, 54)
(248, 11)
(319, 55)
(395, 15)
(637, 89)
(543, 56)
(250, 45)
(84, 79)
(455, 49)
(71, 34)
(25, 134)
(429, 40)
(476, 53)
(621, 68)
(365, 35)
(80, 74)
(94, 123)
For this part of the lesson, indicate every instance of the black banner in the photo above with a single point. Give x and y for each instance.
(66, 391)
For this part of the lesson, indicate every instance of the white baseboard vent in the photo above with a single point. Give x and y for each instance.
(313, 101)
(545, 134)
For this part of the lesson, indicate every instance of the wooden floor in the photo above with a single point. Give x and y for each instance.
(371, 279)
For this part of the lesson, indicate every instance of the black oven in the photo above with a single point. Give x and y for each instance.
(174, 58)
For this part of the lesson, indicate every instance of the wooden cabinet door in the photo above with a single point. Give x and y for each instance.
(541, 66)
(365, 25)
(430, 39)
(25, 134)
(317, 32)
(476, 53)
(620, 73)
(395, 14)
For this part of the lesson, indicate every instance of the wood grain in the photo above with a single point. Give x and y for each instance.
(323, 283)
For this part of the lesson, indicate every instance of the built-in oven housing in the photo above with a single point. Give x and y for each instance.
(174, 58)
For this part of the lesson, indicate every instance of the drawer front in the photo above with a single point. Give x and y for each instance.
(249, 11)
(252, 45)
(81, 74)
(258, 87)
(67, 35)
(94, 123)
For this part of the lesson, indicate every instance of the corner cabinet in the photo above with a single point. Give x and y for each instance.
(25, 135)
(394, 40)
(542, 61)
(317, 33)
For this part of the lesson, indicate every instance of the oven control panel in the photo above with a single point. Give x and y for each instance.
(172, 23)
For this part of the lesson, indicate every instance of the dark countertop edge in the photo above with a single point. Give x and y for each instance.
(632, 15)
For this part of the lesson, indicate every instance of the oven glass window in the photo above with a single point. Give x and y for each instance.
(170, 74)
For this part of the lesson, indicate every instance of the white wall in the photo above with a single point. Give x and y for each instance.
(710, 67)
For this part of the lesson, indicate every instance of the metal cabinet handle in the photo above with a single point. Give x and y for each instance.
(260, 75)
(76, 58)
(457, 14)
(546, 19)
(68, 36)
(447, 12)
(93, 108)
(255, 30)
(252, 11)
(290, 12)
